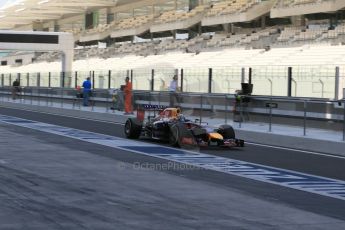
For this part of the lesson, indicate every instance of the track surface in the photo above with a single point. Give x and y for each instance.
(59, 184)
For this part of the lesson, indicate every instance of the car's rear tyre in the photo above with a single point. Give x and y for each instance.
(174, 136)
(226, 131)
(132, 128)
(181, 137)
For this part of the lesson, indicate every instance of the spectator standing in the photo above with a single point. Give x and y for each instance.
(173, 88)
(128, 97)
(86, 91)
(15, 88)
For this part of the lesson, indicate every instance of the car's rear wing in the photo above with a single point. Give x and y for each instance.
(148, 107)
(154, 107)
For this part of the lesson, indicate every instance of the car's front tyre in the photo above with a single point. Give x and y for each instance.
(226, 131)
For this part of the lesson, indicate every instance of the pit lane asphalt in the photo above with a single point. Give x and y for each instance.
(320, 165)
(298, 161)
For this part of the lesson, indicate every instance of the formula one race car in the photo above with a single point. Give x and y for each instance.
(170, 125)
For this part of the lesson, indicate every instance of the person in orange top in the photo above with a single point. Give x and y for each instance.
(128, 97)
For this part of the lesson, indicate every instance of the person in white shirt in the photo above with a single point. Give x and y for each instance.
(173, 91)
(173, 84)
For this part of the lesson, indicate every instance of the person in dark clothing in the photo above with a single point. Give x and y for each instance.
(15, 89)
(86, 91)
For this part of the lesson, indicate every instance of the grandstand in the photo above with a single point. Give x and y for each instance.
(228, 36)
(284, 8)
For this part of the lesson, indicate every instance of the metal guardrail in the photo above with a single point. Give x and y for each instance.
(301, 112)
(304, 80)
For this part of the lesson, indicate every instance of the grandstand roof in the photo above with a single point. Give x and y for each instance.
(28, 11)
(24, 12)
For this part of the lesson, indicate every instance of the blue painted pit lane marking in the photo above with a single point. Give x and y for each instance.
(286, 178)
(153, 150)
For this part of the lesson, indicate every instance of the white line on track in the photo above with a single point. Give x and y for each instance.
(296, 150)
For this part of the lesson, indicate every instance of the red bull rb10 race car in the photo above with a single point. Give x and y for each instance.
(171, 126)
